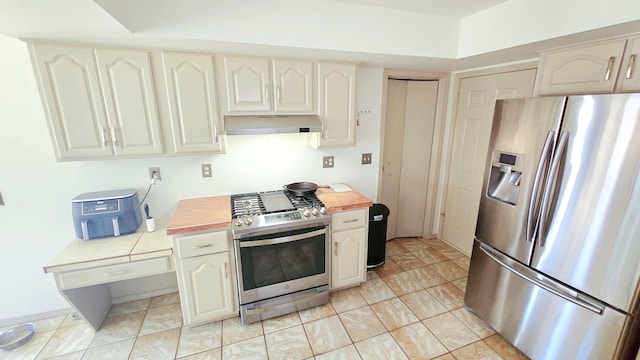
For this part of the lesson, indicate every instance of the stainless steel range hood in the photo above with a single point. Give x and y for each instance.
(271, 124)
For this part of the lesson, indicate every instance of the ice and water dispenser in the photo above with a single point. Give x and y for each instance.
(504, 179)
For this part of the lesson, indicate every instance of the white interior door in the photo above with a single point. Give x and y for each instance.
(410, 118)
(472, 129)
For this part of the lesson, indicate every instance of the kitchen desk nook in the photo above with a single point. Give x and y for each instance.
(84, 270)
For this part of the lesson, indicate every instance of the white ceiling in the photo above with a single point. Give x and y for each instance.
(418, 34)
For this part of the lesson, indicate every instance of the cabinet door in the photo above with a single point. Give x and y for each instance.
(127, 87)
(293, 82)
(336, 104)
(70, 92)
(208, 287)
(189, 86)
(629, 78)
(584, 69)
(348, 265)
(247, 81)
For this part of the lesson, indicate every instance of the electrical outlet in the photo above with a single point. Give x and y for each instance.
(366, 158)
(154, 173)
(327, 161)
(206, 170)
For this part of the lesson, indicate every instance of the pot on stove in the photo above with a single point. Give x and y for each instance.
(302, 188)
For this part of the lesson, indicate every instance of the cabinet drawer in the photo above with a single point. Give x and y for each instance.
(202, 244)
(349, 219)
(111, 273)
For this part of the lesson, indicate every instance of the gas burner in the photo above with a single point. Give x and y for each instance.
(275, 209)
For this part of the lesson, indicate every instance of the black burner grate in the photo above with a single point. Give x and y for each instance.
(252, 204)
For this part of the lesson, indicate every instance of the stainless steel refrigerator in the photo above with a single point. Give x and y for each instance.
(556, 257)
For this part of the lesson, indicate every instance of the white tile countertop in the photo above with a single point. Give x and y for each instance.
(140, 245)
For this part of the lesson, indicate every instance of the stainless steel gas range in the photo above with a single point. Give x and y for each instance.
(282, 252)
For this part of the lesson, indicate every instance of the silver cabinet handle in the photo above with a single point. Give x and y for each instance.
(534, 201)
(335, 248)
(551, 187)
(349, 221)
(202, 246)
(215, 133)
(266, 93)
(632, 64)
(226, 270)
(119, 272)
(114, 134)
(607, 74)
(322, 131)
(104, 137)
(278, 94)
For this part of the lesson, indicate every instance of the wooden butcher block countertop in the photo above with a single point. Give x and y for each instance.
(197, 214)
(344, 200)
(214, 212)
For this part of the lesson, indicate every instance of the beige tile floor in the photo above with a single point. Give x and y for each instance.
(410, 308)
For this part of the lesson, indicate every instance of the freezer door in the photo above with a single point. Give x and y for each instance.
(590, 225)
(542, 318)
(523, 135)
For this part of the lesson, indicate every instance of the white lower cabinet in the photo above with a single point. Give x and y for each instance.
(205, 277)
(349, 248)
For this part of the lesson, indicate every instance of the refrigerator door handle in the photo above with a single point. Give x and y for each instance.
(539, 280)
(550, 187)
(534, 201)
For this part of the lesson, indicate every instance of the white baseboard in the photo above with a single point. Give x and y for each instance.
(66, 311)
(34, 317)
(144, 295)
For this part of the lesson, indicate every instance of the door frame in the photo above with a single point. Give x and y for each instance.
(447, 146)
(432, 216)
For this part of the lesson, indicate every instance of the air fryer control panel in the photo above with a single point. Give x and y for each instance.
(100, 207)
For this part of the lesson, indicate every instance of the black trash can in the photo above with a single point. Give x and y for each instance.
(378, 214)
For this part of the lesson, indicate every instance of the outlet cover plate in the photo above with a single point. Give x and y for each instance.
(157, 171)
(327, 161)
(206, 170)
(366, 158)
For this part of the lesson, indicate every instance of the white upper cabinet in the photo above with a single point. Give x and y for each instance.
(336, 105)
(100, 103)
(261, 85)
(247, 81)
(70, 92)
(129, 96)
(187, 98)
(602, 67)
(629, 78)
(293, 86)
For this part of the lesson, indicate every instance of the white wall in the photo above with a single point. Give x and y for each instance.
(36, 221)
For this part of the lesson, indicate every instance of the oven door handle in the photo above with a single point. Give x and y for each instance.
(287, 305)
(280, 240)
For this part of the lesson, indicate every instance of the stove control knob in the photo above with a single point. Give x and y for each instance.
(315, 212)
(248, 221)
(323, 211)
(306, 213)
(238, 223)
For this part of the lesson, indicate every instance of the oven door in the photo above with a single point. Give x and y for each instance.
(282, 263)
